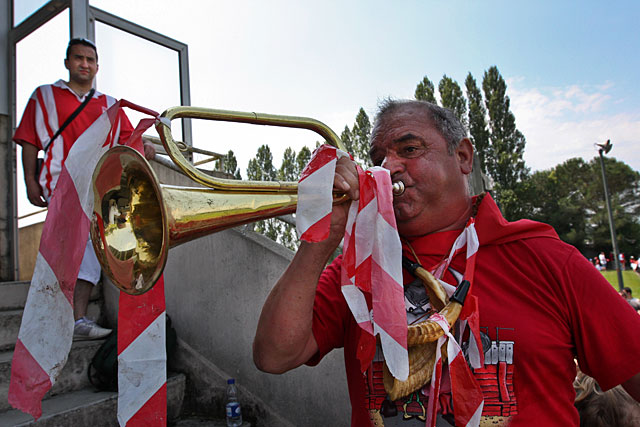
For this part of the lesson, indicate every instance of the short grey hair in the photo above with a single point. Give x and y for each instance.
(442, 118)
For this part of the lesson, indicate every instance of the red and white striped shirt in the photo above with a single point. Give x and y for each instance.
(47, 109)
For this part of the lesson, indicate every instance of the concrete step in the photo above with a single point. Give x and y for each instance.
(87, 407)
(14, 295)
(9, 326)
(205, 422)
(10, 321)
(73, 376)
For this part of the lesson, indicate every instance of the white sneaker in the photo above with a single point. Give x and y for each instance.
(86, 329)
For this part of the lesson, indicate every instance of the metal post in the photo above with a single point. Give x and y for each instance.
(8, 199)
(612, 226)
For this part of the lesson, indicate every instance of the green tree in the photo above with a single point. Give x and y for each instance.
(261, 168)
(347, 139)
(624, 191)
(289, 169)
(452, 98)
(304, 155)
(558, 197)
(504, 161)
(425, 91)
(477, 120)
(570, 197)
(229, 165)
(356, 139)
(360, 133)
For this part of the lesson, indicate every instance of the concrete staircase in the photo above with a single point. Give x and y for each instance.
(72, 401)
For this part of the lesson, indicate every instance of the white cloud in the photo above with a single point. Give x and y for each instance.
(564, 122)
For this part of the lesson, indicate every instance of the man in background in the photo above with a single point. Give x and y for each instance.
(49, 107)
(633, 302)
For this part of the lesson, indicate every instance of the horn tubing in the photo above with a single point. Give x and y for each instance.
(238, 117)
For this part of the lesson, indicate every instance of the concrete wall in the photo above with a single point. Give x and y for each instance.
(29, 238)
(215, 288)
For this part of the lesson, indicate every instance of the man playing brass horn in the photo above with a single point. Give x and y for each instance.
(540, 303)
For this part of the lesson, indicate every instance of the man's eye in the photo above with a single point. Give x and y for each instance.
(410, 150)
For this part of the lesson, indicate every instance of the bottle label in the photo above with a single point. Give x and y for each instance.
(233, 410)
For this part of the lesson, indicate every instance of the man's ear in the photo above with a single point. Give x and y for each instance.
(464, 152)
(66, 63)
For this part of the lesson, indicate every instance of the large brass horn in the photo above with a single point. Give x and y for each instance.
(136, 219)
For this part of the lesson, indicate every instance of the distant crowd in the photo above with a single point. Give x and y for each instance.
(603, 262)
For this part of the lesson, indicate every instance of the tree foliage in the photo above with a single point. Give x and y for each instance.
(347, 139)
(289, 169)
(229, 165)
(359, 135)
(425, 91)
(261, 168)
(570, 197)
(302, 159)
(452, 98)
(504, 159)
(477, 121)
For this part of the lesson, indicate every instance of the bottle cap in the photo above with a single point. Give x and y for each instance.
(231, 381)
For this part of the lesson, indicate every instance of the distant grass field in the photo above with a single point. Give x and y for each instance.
(629, 278)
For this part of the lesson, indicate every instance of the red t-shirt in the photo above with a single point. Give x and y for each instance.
(541, 305)
(47, 109)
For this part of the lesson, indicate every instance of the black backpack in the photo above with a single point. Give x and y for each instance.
(103, 368)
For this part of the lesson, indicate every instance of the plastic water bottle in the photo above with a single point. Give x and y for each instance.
(234, 415)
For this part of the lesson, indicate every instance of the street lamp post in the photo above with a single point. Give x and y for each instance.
(604, 149)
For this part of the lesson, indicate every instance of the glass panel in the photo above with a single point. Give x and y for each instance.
(36, 66)
(139, 71)
(22, 9)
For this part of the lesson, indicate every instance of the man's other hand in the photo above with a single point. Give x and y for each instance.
(34, 193)
(29, 160)
(149, 150)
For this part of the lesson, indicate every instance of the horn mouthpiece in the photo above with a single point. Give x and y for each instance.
(398, 188)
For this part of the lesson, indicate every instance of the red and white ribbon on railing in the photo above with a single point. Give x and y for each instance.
(46, 332)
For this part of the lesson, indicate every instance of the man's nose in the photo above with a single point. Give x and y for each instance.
(392, 162)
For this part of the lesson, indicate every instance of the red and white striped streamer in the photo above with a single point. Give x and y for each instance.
(467, 395)
(372, 263)
(469, 315)
(46, 332)
(468, 400)
(372, 253)
(142, 357)
(313, 213)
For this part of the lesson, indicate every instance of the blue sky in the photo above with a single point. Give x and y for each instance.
(571, 67)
